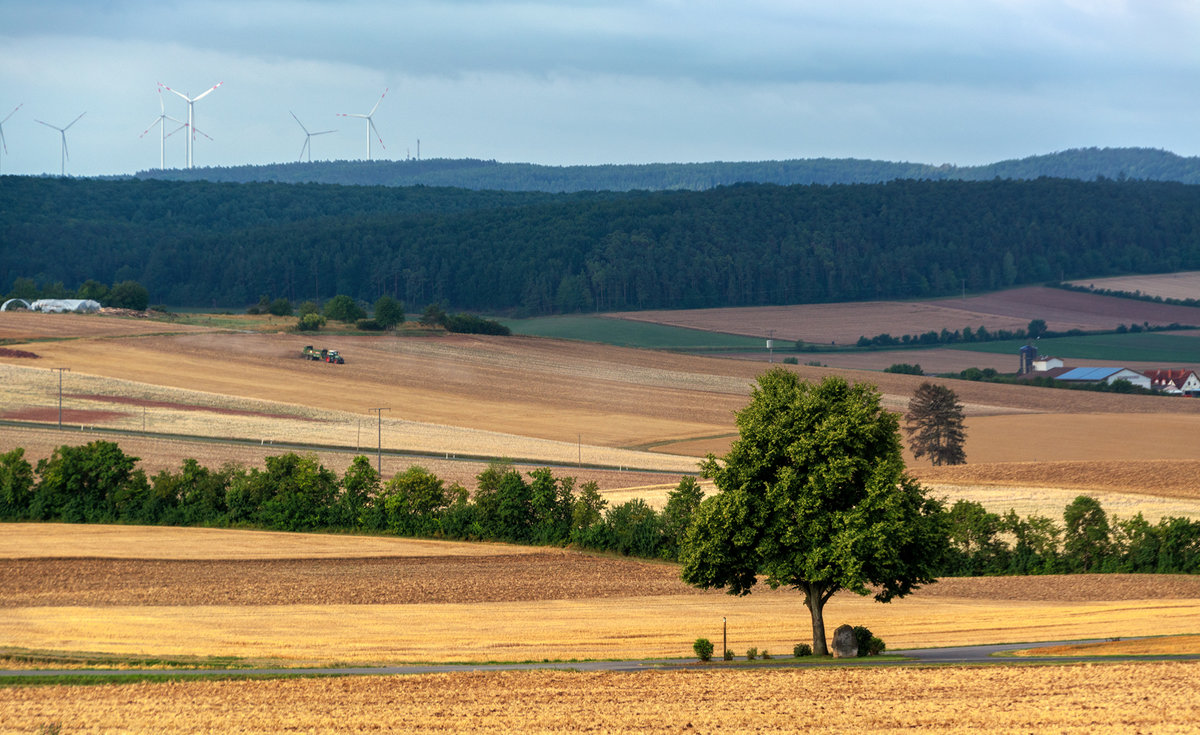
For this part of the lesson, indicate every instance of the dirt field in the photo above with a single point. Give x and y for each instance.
(845, 323)
(1113, 698)
(1167, 285)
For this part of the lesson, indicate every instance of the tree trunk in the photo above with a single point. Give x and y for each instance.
(815, 601)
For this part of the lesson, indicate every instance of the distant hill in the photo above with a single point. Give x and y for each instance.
(1086, 164)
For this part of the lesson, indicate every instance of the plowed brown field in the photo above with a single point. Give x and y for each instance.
(845, 323)
(1116, 698)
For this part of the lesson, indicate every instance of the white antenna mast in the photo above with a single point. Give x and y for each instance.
(4, 144)
(370, 123)
(162, 144)
(191, 120)
(307, 137)
(62, 168)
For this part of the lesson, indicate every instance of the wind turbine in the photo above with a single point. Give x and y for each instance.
(191, 121)
(370, 123)
(63, 131)
(307, 137)
(162, 144)
(2, 142)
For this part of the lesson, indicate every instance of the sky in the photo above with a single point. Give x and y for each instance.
(563, 82)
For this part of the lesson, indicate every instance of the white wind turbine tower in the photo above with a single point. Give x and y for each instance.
(370, 123)
(162, 144)
(191, 121)
(63, 132)
(307, 137)
(4, 144)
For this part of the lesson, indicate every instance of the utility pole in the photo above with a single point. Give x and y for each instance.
(379, 440)
(60, 372)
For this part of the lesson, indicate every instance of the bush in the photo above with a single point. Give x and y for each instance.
(703, 648)
(369, 325)
(280, 307)
(791, 361)
(903, 368)
(342, 308)
(728, 654)
(765, 655)
(751, 654)
(310, 322)
(801, 649)
(868, 644)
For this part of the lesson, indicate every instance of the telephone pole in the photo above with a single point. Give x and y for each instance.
(60, 372)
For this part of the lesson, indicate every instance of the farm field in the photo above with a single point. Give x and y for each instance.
(643, 418)
(845, 323)
(1184, 285)
(1073, 699)
(361, 608)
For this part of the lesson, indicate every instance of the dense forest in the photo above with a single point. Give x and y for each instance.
(1086, 164)
(206, 244)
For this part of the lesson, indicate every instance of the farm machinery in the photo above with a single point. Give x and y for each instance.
(323, 355)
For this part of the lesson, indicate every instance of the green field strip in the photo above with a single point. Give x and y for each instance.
(1130, 347)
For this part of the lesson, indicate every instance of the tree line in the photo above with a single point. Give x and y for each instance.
(205, 244)
(100, 483)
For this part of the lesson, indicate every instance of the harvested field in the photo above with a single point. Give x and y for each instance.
(100, 541)
(1078, 699)
(458, 607)
(1162, 646)
(1164, 478)
(1167, 285)
(18, 326)
(531, 576)
(845, 323)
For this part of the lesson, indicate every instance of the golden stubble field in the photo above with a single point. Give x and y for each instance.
(537, 400)
(364, 600)
(1110, 698)
(158, 591)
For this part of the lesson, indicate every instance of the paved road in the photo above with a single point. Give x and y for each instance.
(955, 655)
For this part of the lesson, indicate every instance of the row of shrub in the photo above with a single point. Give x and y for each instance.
(99, 483)
(868, 645)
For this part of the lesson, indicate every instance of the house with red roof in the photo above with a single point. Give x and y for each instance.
(1179, 381)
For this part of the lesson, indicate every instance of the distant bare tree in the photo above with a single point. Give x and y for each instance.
(934, 424)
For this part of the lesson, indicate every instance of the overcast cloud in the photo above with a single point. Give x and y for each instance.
(545, 81)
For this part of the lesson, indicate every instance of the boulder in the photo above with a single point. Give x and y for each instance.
(845, 645)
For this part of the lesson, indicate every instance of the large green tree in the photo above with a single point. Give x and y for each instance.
(813, 496)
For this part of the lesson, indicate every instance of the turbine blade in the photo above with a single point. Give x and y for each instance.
(161, 108)
(201, 132)
(209, 91)
(12, 113)
(352, 114)
(176, 130)
(377, 135)
(74, 121)
(157, 120)
(298, 121)
(66, 151)
(322, 132)
(46, 124)
(175, 91)
(302, 149)
(2, 141)
(376, 107)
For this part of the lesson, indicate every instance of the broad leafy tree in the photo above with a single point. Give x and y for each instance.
(342, 308)
(389, 312)
(813, 496)
(934, 424)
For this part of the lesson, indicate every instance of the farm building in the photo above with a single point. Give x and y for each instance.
(56, 306)
(1107, 375)
(1180, 381)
